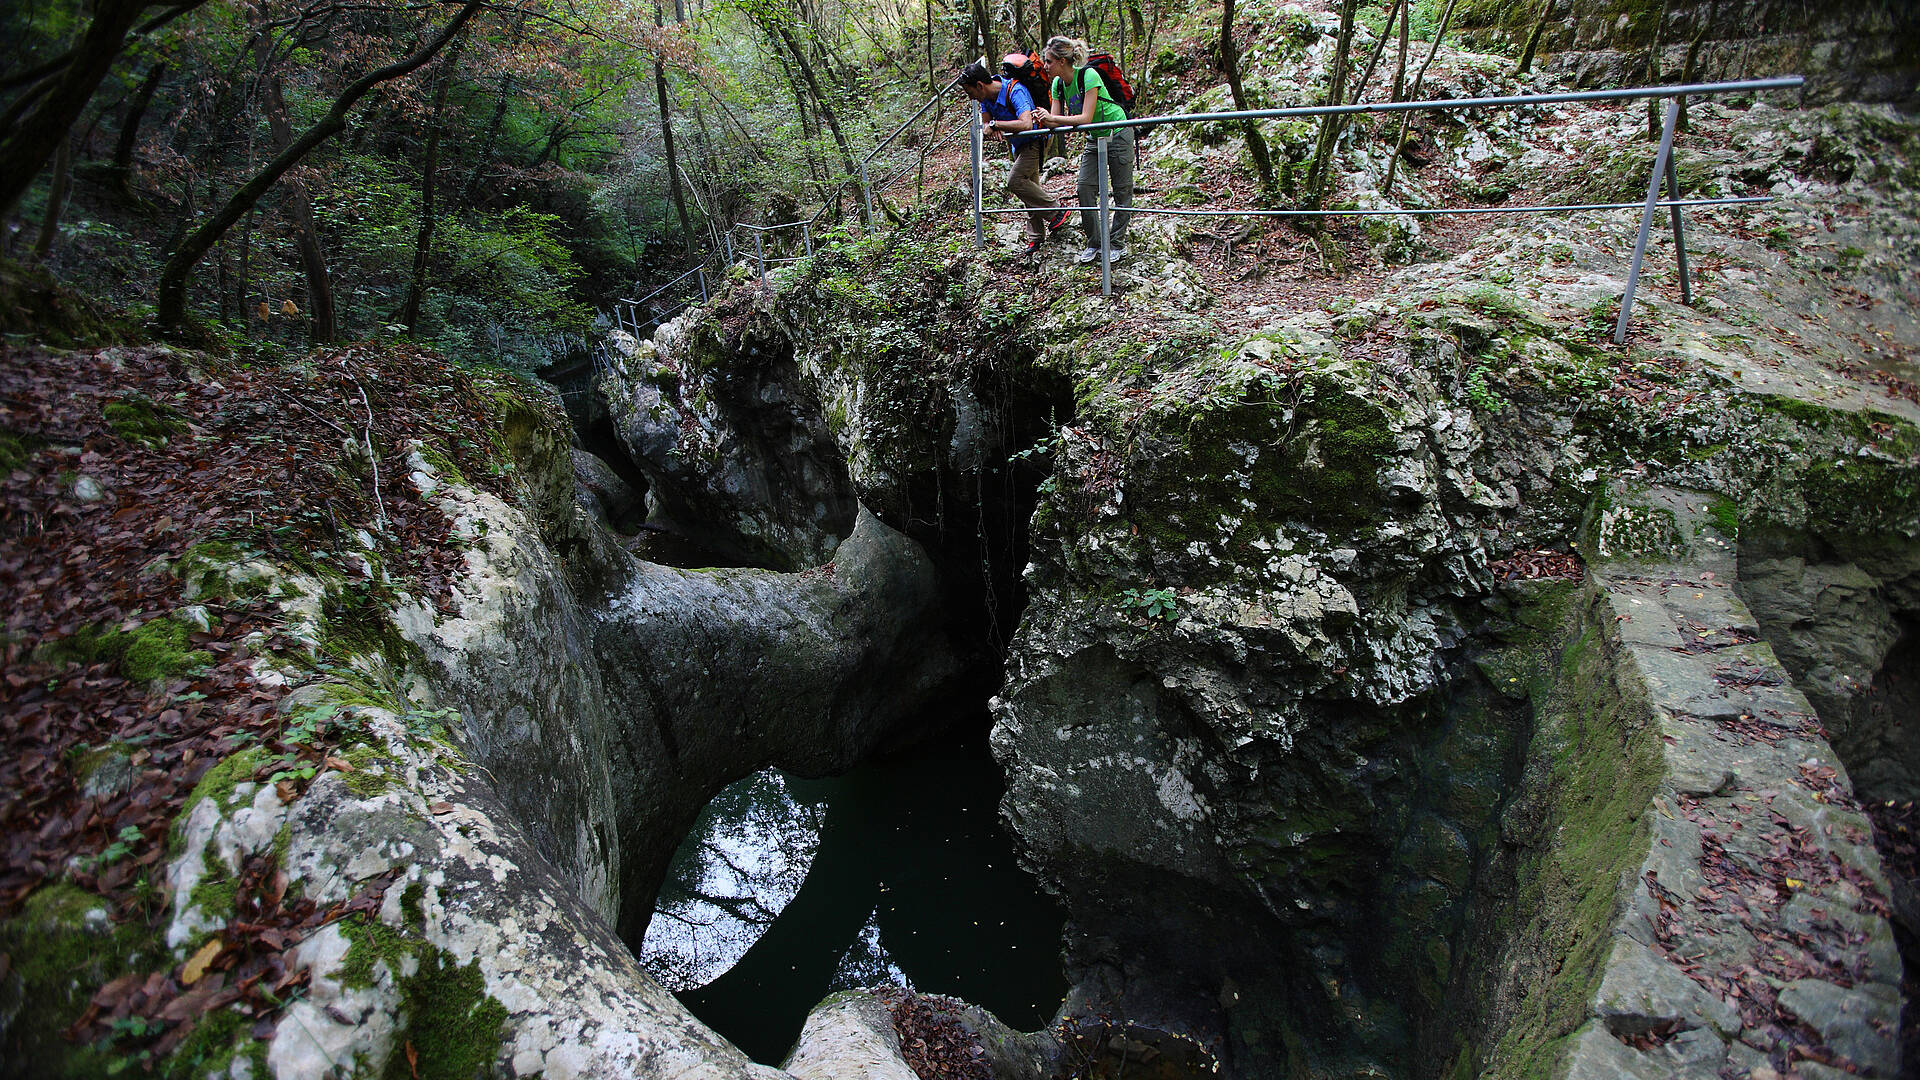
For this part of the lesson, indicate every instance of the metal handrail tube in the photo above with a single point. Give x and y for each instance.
(783, 225)
(952, 135)
(1788, 82)
(931, 102)
(1729, 201)
(661, 289)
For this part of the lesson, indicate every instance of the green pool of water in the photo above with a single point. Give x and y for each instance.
(897, 872)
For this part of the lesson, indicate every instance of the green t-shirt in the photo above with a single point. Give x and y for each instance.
(1089, 81)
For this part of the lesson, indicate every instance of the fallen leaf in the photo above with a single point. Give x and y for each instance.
(196, 965)
(440, 808)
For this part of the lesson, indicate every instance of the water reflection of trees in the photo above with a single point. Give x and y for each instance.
(741, 864)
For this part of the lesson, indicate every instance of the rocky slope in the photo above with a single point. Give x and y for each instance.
(1321, 787)
(1409, 682)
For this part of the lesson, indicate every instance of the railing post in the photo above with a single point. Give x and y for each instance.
(1660, 163)
(1679, 230)
(727, 239)
(1106, 230)
(806, 235)
(979, 180)
(702, 271)
(760, 252)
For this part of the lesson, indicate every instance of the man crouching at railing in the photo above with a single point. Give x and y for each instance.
(1006, 107)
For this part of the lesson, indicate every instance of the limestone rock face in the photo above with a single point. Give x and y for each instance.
(734, 443)
(1269, 689)
(466, 919)
(601, 491)
(597, 703)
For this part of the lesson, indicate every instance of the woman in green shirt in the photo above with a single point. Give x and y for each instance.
(1080, 97)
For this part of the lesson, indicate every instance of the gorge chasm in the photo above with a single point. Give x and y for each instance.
(1414, 686)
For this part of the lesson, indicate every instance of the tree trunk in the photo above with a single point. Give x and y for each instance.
(1400, 70)
(819, 100)
(173, 276)
(245, 284)
(982, 26)
(130, 124)
(1399, 140)
(322, 324)
(1373, 59)
(666, 136)
(489, 136)
(1533, 39)
(1653, 69)
(429, 171)
(26, 145)
(1320, 170)
(56, 198)
(1689, 69)
(1230, 66)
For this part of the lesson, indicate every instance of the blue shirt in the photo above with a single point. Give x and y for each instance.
(1009, 104)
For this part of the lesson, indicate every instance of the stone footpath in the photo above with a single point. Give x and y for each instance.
(1756, 940)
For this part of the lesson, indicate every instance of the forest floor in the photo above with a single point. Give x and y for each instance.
(127, 676)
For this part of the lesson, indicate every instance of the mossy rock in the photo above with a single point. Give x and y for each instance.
(355, 621)
(33, 305)
(156, 649)
(142, 421)
(17, 449)
(1595, 761)
(64, 945)
(444, 1010)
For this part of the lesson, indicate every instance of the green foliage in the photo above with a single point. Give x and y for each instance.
(121, 847)
(1480, 389)
(1152, 603)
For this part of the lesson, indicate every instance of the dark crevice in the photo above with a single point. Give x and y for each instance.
(973, 522)
(971, 518)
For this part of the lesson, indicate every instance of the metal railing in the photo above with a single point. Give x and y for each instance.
(627, 313)
(868, 211)
(1663, 169)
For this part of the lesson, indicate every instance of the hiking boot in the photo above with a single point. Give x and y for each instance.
(1117, 254)
(1087, 256)
(1057, 222)
(1033, 245)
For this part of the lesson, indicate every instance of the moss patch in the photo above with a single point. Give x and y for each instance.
(218, 568)
(1726, 516)
(444, 1008)
(216, 783)
(354, 622)
(212, 1044)
(61, 959)
(157, 649)
(1592, 768)
(372, 775)
(17, 449)
(142, 421)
